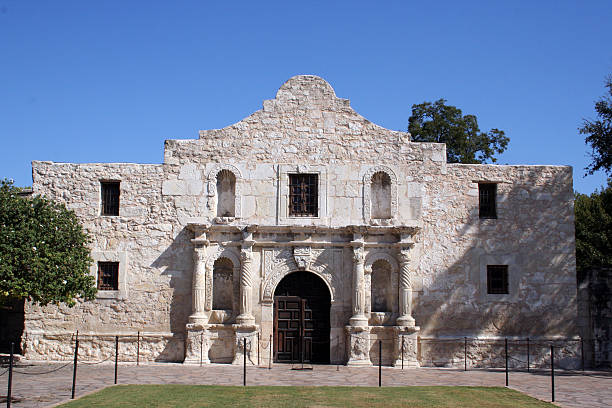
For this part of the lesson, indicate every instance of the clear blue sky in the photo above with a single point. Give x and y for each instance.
(109, 81)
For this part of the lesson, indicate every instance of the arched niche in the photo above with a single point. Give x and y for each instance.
(380, 195)
(224, 183)
(229, 256)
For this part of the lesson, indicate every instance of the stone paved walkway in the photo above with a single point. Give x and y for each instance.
(573, 389)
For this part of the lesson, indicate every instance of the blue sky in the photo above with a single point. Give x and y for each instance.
(85, 81)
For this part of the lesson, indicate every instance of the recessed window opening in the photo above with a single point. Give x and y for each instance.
(380, 286)
(486, 199)
(497, 279)
(108, 275)
(110, 197)
(303, 195)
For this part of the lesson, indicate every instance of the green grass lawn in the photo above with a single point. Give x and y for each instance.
(219, 396)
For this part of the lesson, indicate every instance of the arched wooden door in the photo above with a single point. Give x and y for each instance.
(301, 319)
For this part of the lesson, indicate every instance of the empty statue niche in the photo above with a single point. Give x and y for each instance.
(226, 190)
(381, 286)
(223, 284)
(381, 195)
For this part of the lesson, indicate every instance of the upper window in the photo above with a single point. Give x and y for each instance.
(303, 195)
(381, 195)
(486, 194)
(110, 197)
(108, 275)
(497, 279)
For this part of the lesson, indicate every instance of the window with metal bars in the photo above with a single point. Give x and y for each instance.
(497, 279)
(486, 194)
(108, 275)
(303, 195)
(110, 197)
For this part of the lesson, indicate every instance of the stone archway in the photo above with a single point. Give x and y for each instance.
(302, 304)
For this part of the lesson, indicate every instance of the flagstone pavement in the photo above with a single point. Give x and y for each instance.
(38, 384)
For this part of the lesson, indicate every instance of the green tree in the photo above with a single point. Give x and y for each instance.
(600, 134)
(43, 251)
(593, 229)
(465, 143)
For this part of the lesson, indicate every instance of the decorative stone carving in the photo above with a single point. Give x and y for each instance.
(221, 252)
(248, 332)
(279, 262)
(358, 318)
(246, 287)
(367, 195)
(406, 344)
(197, 346)
(405, 290)
(359, 346)
(302, 257)
(200, 288)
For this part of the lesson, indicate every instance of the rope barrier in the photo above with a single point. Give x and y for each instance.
(96, 362)
(44, 372)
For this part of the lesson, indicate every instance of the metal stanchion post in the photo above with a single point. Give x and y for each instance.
(527, 354)
(403, 338)
(270, 360)
(258, 361)
(116, 356)
(582, 352)
(552, 372)
(465, 354)
(380, 363)
(74, 371)
(10, 379)
(201, 347)
(138, 350)
(506, 348)
(244, 362)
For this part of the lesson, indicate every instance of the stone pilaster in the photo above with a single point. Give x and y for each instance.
(358, 339)
(405, 289)
(358, 318)
(406, 343)
(246, 287)
(200, 291)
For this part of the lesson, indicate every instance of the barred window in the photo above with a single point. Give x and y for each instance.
(108, 275)
(486, 194)
(110, 197)
(497, 279)
(303, 195)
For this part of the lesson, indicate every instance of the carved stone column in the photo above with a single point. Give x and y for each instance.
(358, 318)
(246, 287)
(200, 312)
(405, 289)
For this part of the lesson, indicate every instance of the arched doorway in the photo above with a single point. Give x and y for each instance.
(301, 319)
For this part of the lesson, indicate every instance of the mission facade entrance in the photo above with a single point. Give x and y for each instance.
(301, 319)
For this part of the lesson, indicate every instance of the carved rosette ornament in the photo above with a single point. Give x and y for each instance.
(405, 289)
(358, 318)
(246, 287)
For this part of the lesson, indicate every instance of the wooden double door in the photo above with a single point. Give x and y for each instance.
(301, 319)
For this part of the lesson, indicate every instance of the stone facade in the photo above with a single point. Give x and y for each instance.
(390, 213)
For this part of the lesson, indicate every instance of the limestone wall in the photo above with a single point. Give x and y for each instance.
(306, 129)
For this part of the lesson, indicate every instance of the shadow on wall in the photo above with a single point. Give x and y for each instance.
(541, 304)
(176, 262)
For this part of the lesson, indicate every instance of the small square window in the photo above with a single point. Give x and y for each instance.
(486, 200)
(303, 195)
(108, 275)
(110, 197)
(497, 279)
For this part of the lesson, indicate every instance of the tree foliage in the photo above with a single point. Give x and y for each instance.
(43, 250)
(600, 134)
(465, 143)
(593, 229)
